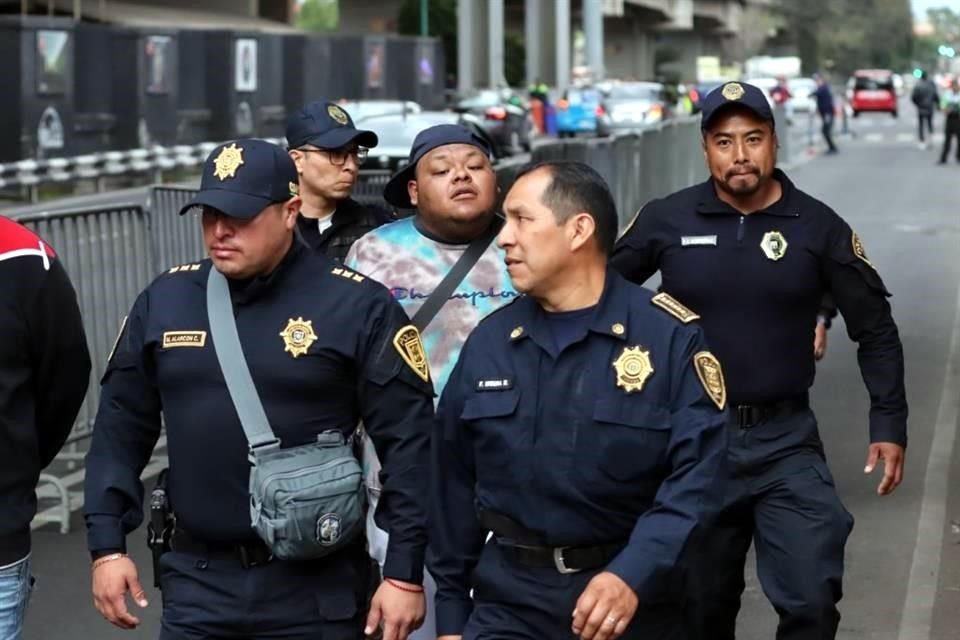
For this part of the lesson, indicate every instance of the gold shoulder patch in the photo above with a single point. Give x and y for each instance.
(343, 272)
(408, 344)
(711, 377)
(672, 306)
(183, 268)
(859, 251)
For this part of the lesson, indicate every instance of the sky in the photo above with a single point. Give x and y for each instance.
(920, 6)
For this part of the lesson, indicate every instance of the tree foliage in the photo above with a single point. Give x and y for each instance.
(319, 15)
(442, 23)
(843, 35)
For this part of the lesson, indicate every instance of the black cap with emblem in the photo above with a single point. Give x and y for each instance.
(325, 125)
(735, 94)
(243, 177)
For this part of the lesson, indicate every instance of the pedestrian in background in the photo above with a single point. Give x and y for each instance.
(827, 111)
(44, 374)
(950, 104)
(925, 99)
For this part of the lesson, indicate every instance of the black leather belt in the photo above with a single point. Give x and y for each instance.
(248, 554)
(750, 415)
(526, 547)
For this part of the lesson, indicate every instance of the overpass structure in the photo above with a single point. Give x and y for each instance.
(622, 38)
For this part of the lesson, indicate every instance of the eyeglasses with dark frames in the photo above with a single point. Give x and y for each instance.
(338, 157)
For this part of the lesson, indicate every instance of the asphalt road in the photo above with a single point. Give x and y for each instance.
(903, 562)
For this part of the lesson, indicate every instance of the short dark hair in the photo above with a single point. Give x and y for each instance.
(574, 188)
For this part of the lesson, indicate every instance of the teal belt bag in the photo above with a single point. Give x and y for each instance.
(306, 501)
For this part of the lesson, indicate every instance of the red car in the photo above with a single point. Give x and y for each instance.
(872, 90)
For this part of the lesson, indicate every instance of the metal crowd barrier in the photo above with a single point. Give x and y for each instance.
(113, 253)
(30, 175)
(638, 167)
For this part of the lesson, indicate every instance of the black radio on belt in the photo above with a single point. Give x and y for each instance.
(161, 525)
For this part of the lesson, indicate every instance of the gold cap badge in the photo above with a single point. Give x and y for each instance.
(774, 245)
(408, 344)
(228, 161)
(294, 188)
(298, 336)
(859, 251)
(339, 115)
(633, 368)
(732, 91)
(711, 377)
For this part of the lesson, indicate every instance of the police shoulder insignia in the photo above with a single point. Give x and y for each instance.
(338, 115)
(774, 245)
(672, 306)
(711, 377)
(183, 268)
(732, 91)
(298, 336)
(859, 251)
(228, 161)
(349, 275)
(633, 368)
(408, 344)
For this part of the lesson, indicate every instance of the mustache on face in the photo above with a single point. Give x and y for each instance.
(742, 171)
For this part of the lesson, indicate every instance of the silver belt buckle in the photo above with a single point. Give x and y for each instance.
(559, 563)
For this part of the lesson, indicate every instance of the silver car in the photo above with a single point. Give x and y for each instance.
(634, 105)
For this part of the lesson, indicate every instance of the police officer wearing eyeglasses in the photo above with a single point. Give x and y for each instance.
(328, 151)
(325, 347)
(754, 255)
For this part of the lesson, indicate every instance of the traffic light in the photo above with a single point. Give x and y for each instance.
(946, 51)
(917, 72)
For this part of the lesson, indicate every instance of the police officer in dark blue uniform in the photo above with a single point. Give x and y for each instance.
(754, 256)
(326, 347)
(583, 426)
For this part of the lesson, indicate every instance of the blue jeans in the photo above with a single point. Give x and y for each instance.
(15, 586)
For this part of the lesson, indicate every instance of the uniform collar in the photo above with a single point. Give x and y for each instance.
(710, 204)
(611, 317)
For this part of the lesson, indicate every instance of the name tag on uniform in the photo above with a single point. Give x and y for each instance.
(495, 384)
(173, 339)
(698, 241)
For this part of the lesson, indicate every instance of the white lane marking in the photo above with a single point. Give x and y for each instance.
(917, 617)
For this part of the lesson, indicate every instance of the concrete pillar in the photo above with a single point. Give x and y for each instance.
(496, 76)
(593, 33)
(532, 29)
(471, 26)
(562, 22)
(540, 32)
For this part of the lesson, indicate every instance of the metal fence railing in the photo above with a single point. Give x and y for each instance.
(638, 167)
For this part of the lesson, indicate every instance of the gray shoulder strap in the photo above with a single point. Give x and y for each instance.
(226, 343)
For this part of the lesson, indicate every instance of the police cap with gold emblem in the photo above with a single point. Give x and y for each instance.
(733, 94)
(325, 125)
(243, 177)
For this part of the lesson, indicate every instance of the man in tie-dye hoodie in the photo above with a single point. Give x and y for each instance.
(450, 182)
